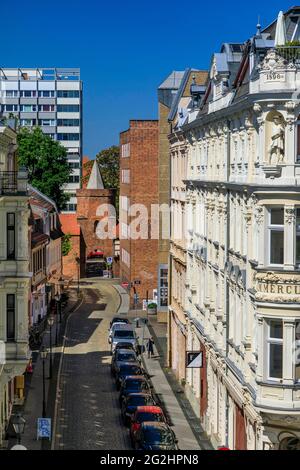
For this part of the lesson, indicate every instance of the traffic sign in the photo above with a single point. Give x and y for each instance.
(125, 285)
(194, 359)
(44, 428)
(109, 260)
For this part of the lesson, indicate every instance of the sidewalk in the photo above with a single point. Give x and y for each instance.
(31, 410)
(183, 420)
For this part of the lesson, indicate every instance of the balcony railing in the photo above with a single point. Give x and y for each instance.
(290, 53)
(13, 182)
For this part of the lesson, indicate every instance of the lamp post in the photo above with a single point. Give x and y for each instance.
(44, 356)
(18, 423)
(50, 323)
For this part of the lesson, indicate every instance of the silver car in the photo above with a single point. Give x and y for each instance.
(124, 334)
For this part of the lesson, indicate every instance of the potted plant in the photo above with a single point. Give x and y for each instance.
(152, 308)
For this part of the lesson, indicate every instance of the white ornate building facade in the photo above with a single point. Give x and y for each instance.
(14, 276)
(242, 279)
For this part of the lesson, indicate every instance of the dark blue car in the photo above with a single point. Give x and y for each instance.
(134, 384)
(132, 401)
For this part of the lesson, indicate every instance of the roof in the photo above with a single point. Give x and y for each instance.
(149, 409)
(95, 180)
(38, 239)
(172, 81)
(69, 224)
(37, 198)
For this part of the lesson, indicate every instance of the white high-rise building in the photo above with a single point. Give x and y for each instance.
(52, 99)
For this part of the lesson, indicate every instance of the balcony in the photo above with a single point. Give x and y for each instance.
(13, 182)
(290, 53)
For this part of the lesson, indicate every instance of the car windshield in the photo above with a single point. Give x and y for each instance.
(158, 436)
(124, 334)
(130, 370)
(138, 401)
(126, 357)
(141, 417)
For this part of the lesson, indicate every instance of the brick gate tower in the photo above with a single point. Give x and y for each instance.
(90, 212)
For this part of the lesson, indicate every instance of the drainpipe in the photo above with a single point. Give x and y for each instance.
(227, 306)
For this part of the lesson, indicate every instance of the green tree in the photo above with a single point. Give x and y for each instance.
(66, 245)
(46, 162)
(109, 165)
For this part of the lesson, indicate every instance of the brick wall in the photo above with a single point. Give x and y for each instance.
(142, 189)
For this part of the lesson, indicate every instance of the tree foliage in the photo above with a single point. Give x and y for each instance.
(109, 165)
(66, 245)
(46, 162)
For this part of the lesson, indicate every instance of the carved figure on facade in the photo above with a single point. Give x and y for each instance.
(276, 147)
(290, 215)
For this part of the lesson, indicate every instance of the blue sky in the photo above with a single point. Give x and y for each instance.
(124, 48)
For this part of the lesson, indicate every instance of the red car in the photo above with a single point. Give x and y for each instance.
(96, 253)
(145, 413)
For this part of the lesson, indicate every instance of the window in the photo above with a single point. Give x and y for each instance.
(46, 93)
(73, 179)
(71, 207)
(68, 136)
(28, 108)
(298, 238)
(47, 108)
(275, 349)
(74, 165)
(125, 176)
(68, 94)
(10, 317)
(125, 150)
(11, 93)
(47, 122)
(10, 108)
(68, 108)
(28, 122)
(276, 236)
(163, 287)
(297, 352)
(11, 252)
(68, 122)
(28, 93)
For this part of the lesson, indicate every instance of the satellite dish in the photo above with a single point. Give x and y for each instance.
(18, 447)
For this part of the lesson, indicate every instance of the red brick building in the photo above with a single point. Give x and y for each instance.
(93, 203)
(139, 185)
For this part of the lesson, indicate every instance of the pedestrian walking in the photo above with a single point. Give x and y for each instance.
(150, 349)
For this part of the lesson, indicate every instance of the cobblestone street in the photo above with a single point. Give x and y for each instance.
(88, 415)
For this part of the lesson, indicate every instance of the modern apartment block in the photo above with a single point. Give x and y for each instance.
(52, 99)
(139, 185)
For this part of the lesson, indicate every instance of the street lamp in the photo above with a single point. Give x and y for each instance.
(57, 298)
(18, 423)
(50, 323)
(44, 356)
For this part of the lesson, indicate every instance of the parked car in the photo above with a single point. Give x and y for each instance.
(122, 355)
(96, 253)
(134, 384)
(113, 328)
(126, 369)
(145, 413)
(154, 436)
(132, 402)
(123, 333)
(125, 345)
(119, 320)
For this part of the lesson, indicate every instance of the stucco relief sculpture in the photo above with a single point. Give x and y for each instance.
(276, 149)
